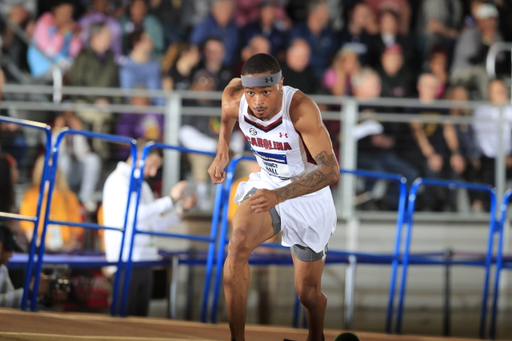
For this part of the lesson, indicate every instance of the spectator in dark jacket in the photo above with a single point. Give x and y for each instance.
(394, 76)
(95, 65)
(296, 70)
(219, 24)
(266, 27)
(315, 30)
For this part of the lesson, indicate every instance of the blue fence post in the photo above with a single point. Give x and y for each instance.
(499, 263)
(396, 253)
(120, 267)
(211, 251)
(488, 260)
(221, 245)
(410, 214)
(32, 249)
(51, 177)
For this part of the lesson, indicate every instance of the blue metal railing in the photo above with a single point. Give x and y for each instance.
(51, 177)
(36, 219)
(499, 263)
(406, 256)
(138, 186)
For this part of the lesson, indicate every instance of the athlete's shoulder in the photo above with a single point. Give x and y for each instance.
(231, 96)
(302, 105)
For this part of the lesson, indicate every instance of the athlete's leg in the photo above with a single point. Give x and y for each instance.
(250, 229)
(308, 280)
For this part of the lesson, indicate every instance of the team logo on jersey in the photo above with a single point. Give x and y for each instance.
(253, 131)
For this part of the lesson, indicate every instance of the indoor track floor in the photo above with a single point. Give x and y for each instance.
(46, 326)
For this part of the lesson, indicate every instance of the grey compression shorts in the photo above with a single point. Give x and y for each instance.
(303, 253)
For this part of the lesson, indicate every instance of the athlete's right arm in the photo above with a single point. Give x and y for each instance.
(230, 104)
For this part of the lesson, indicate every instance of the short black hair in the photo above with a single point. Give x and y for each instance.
(141, 144)
(134, 37)
(261, 63)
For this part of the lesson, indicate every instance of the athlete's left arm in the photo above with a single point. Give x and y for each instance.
(307, 120)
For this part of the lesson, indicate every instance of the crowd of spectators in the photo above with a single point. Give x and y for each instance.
(429, 49)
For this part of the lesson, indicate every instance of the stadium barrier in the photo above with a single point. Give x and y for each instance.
(138, 187)
(36, 220)
(408, 238)
(51, 177)
(501, 262)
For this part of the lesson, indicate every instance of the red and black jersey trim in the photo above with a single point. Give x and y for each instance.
(266, 129)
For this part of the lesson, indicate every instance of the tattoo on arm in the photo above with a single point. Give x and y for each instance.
(326, 174)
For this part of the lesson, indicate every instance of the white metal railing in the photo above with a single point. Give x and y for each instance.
(349, 115)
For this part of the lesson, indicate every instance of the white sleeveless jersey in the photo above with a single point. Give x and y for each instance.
(277, 145)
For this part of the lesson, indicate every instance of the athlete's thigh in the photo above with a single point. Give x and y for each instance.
(307, 274)
(255, 227)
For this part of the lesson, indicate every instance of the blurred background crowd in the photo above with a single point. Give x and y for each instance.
(424, 49)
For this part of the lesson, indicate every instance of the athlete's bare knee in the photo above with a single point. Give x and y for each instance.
(240, 245)
(311, 296)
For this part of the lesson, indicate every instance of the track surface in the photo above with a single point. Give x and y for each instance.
(44, 326)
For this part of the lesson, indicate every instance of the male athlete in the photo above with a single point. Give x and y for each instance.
(291, 193)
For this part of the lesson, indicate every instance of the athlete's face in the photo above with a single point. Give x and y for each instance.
(264, 102)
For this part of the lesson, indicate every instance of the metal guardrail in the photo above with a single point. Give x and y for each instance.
(349, 115)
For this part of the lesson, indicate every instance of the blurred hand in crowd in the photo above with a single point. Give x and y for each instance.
(458, 164)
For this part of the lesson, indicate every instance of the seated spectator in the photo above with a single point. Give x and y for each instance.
(213, 62)
(219, 24)
(471, 50)
(388, 36)
(297, 72)
(355, 33)
(78, 163)
(9, 296)
(137, 19)
(95, 65)
(170, 14)
(257, 44)
(57, 35)
(178, 65)
(438, 65)
(468, 147)
(153, 215)
(337, 79)
(433, 148)
(65, 207)
(23, 14)
(438, 23)
(147, 126)
(99, 14)
(7, 177)
(400, 7)
(487, 135)
(394, 75)
(266, 26)
(13, 141)
(140, 68)
(377, 151)
(315, 30)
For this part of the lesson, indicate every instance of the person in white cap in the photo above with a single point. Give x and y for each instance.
(468, 65)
